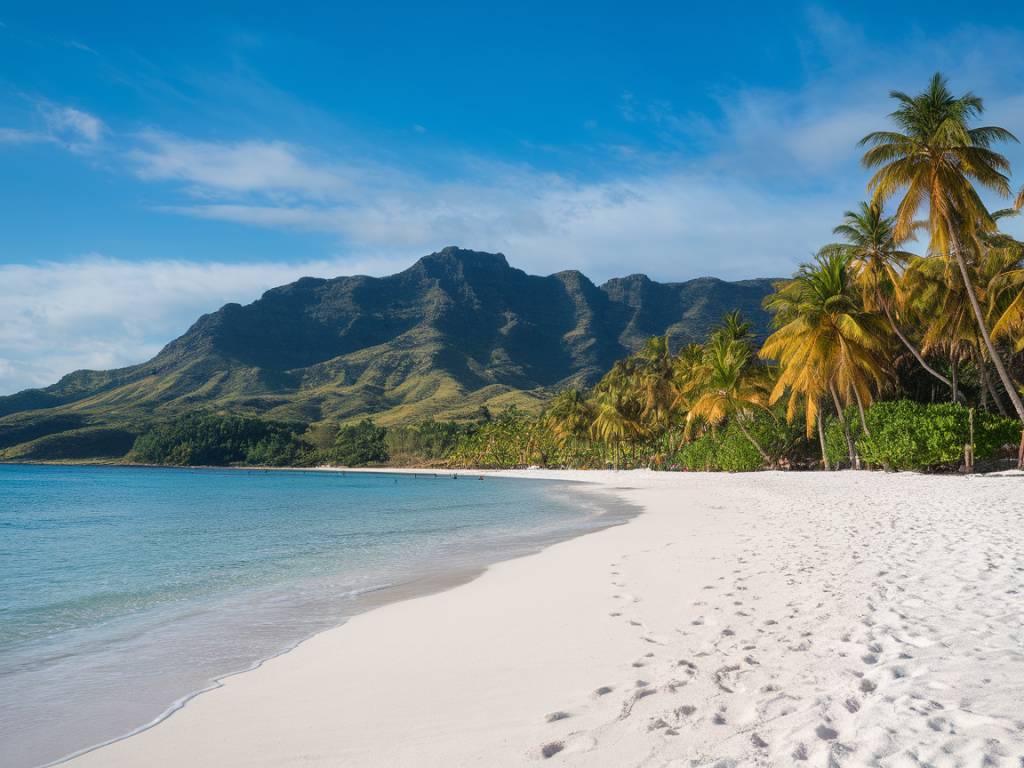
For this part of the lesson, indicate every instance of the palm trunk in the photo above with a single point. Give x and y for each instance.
(986, 381)
(979, 316)
(753, 442)
(821, 438)
(907, 343)
(860, 411)
(954, 367)
(851, 449)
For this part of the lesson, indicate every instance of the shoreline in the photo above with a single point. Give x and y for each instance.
(623, 646)
(422, 583)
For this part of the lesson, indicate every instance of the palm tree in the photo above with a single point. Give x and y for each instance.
(938, 299)
(618, 407)
(936, 158)
(1006, 290)
(569, 417)
(826, 344)
(731, 385)
(876, 261)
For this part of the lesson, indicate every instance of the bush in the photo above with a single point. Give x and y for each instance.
(908, 435)
(360, 444)
(729, 450)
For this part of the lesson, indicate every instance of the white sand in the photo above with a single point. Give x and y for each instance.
(761, 619)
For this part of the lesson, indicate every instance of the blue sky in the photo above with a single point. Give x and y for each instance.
(156, 168)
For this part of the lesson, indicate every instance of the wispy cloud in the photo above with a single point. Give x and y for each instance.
(21, 136)
(224, 168)
(66, 126)
(120, 312)
(77, 129)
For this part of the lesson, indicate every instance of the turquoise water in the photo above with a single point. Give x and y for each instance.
(125, 590)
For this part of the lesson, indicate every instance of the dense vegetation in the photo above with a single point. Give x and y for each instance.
(209, 439)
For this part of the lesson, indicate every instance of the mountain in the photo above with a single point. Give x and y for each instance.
(456, 331)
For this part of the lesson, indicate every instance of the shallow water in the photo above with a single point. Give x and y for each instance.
(125, 590)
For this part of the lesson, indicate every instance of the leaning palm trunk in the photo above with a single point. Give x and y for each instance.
(764, 454)
(986, 381)
(850, 447)
(979, 316)
(821, 439)
(954, 369)
(860, 411)
(910, 346)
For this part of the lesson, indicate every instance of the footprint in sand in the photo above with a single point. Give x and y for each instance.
(825, 733)
(551, 749)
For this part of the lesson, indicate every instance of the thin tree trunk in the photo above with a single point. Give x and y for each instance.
(982, 389)
(979, 316)
(854, 459)
(753, 442)
(860, 411)
(821, 438)
(910, 346)
(954, 367)
(986, 380)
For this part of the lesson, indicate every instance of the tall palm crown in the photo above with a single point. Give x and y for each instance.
(874, 253)
(827, 344)
(938, 158)
(569, 415)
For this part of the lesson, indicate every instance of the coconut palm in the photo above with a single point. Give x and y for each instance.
(730, 385)
(937, 298)
(826, 344)
(1006, 290)
(569, 417)
(876, 261)
(619, 407)
(936, 158)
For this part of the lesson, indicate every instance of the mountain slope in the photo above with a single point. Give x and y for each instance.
(456, 331)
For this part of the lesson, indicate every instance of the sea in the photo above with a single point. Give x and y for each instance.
(126, 591)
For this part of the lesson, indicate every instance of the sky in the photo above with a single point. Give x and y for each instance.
(155, 168)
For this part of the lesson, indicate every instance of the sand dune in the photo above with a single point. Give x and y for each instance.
(760, 619)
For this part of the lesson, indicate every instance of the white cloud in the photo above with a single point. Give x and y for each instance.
(96, 312)
(20, 136)
(215, 168)
(73, 126)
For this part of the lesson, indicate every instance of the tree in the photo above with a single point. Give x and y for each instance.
(619, 407)
(730, 383)
(935, 159)
(569, 418)
(826, 344)
(360, 444)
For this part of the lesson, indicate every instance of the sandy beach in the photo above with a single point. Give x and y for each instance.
(755, 619)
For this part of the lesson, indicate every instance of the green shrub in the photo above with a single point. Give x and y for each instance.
(729, 450)
(908, 435)
(360, 444)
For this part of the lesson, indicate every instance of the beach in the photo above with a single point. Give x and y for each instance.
(751, 619)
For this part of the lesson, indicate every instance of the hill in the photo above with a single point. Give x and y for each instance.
(456, 331)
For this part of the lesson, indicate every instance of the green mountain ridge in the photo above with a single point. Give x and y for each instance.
(456, 331)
